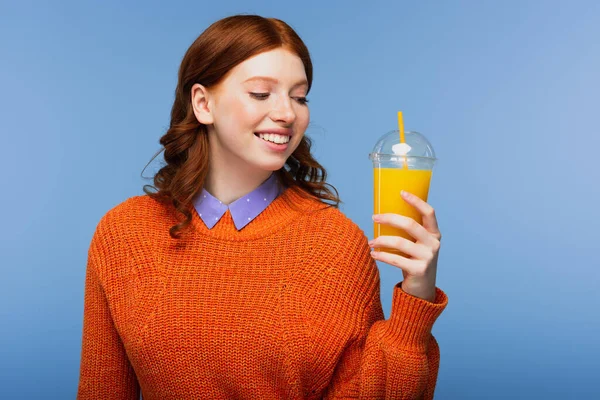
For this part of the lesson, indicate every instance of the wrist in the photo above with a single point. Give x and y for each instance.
(424, 294)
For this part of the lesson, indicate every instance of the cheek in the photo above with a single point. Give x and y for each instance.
(303, 118)
(248, 111)
(237, 112)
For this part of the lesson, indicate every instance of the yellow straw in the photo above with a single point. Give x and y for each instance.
(401, 129)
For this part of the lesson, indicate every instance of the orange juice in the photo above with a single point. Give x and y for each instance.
(388, 182)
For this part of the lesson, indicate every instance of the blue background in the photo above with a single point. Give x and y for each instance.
(504, 90)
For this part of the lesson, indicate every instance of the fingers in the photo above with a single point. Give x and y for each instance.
(421, 261)
(411, 267)
(427, 212)
(406, 246)
(409, 225)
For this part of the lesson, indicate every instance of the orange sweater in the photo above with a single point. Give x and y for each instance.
(287, 308)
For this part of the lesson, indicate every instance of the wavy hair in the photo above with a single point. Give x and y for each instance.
(223, 45)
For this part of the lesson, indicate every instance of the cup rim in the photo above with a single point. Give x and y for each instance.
(388, 155)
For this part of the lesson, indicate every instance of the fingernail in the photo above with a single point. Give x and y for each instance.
(375, 217)
(404, 194)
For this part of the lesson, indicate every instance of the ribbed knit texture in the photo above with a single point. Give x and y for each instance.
(287, 308)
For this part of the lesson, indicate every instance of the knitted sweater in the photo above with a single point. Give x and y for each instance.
(287, 308)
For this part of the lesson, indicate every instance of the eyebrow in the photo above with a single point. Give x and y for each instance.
(273, 80)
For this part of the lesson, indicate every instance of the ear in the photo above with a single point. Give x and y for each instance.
(200, 104)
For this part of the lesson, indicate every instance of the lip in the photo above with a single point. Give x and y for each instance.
(279, 131)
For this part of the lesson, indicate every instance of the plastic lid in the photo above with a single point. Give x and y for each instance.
(389, 148)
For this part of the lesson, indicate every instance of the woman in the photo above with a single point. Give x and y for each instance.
(233, 278)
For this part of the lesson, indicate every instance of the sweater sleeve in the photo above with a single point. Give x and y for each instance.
(397, 358)
(105, 371)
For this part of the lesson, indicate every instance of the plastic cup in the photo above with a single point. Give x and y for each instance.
(400, 166)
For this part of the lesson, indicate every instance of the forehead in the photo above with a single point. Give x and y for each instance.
(279, 64)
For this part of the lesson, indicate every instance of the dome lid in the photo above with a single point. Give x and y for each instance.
(389, 148)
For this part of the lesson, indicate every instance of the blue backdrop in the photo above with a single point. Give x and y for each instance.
(505, 91)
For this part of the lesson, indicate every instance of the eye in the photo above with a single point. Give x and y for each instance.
(259, 96)
(301, 100)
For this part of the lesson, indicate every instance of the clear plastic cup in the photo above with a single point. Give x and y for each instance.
(400, 166)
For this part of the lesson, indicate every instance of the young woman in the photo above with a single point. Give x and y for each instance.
(236, 276)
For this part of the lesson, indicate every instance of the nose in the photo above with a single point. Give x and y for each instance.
(283, 112)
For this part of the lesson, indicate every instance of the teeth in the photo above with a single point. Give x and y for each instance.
(275, 138)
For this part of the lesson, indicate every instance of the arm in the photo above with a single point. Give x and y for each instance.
(396, 358)
(105, 371)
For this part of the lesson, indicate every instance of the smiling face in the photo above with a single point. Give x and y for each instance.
(265, 93)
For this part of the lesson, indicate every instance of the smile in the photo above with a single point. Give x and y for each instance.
(274, 138)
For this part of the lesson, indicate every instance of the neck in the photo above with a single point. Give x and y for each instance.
(228, 187)
(229, 180)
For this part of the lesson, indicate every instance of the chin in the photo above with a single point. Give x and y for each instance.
(272, 166)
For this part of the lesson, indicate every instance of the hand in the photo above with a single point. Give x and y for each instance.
(420, 269)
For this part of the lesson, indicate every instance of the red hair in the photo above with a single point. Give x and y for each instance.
(223, 45)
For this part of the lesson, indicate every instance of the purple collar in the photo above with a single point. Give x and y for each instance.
(243, 210)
